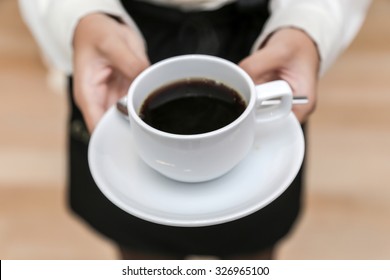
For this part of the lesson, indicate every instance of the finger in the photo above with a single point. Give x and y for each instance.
(305, 86)
(89, 89)
(261, 65)
(117, 87)
(102, 75)
(91, 109)
(303, 112)
(121, 57)
(92, 101)
(92, 115)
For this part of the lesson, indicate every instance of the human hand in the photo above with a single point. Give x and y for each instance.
(289, 54)
(108, 55)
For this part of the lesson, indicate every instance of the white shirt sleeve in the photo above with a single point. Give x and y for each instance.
(332, 24)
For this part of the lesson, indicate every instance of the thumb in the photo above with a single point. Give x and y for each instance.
(262, 66)
(122, 58)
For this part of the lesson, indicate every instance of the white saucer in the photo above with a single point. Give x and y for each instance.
(137, 189)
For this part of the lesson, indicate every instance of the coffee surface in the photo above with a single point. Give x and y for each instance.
(192, 106)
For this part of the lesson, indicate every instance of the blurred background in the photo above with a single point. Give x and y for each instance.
(346, 213)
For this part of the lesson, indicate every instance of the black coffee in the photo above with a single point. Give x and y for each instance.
(192, 106)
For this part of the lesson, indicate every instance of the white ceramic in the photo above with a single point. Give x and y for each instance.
(129, 183)
(202, 157)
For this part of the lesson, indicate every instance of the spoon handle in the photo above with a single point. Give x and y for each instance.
(121, 106)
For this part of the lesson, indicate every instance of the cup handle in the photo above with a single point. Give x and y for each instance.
(273, 90)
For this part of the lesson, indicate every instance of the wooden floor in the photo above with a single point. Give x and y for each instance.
(347, 199)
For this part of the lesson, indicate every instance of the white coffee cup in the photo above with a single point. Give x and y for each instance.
(206, 156)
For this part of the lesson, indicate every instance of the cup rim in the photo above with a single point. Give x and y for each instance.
(133, 115)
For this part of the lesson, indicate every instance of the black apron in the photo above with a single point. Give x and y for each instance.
(228, 32)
